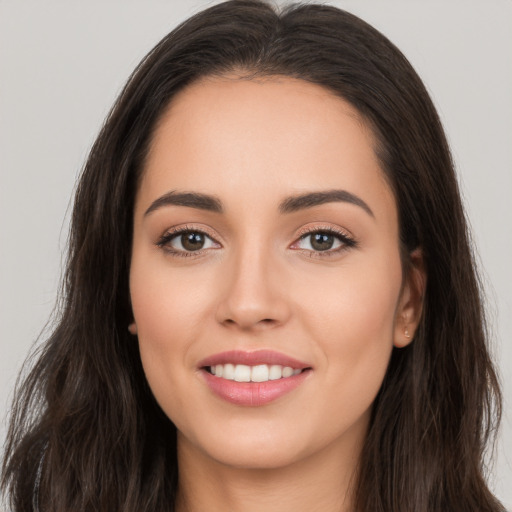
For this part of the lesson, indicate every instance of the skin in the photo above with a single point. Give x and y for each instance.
(258, 285)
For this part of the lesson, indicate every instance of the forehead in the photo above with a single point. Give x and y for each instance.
(266, 137)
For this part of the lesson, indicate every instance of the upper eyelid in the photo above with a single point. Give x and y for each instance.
(301, 233)
(175, 231)
(329, 229)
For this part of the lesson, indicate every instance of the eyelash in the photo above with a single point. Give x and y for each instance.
(168, 236)
(347, 242)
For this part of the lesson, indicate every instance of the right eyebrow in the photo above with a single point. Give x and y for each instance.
(190, 199)
(311, 199)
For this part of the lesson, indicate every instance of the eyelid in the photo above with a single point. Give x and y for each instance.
(345, 237)
(170, 233)
(308, 229)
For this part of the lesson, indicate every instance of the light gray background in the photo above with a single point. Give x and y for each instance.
(62, 63)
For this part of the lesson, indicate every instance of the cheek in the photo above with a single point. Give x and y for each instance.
(352, 323)
(352, 319)
(360, 298)
(168, 309)
(167, 304)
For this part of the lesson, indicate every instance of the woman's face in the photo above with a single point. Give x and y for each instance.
(266, 279)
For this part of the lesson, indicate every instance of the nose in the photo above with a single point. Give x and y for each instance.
(253, 294)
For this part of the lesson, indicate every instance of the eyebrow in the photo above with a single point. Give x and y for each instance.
(309, 200)
(289, 205)
(189, 199)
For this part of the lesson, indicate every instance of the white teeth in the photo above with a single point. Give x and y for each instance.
(276, 372)
(287, 371)
(242, 373)
(228, 372)
(258, 373)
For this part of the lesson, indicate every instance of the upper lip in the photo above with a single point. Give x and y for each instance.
(253, 358)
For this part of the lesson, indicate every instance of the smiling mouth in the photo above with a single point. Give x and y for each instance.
(253, 378)
(257, 373)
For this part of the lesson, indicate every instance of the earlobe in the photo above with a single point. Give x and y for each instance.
(410, 305)
(132, 328)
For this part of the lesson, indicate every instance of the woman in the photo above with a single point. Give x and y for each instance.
(270, 298)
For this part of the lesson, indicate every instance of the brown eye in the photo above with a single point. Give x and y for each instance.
(192, 241)
(187, 242)
(322, 241)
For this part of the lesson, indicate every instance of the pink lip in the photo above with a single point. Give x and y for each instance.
(253, 358)
(253, 393)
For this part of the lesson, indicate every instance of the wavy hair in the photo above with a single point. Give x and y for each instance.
(86, 433)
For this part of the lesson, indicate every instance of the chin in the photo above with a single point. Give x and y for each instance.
(260, 446)
(249, 456)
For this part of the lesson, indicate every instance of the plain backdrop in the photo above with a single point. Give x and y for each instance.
(62, 63)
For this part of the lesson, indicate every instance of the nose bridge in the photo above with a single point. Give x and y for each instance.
(253, 295)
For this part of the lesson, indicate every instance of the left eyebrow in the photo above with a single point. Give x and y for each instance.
(189, 199)
(309, 200)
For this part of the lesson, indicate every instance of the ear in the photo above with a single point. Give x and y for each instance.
(132, 328)
(410, 305)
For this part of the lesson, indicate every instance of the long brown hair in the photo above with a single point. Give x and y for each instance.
(86, 433)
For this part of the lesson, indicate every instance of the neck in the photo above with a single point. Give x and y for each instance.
(324, 481)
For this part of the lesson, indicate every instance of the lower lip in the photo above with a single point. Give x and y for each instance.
(253, 394)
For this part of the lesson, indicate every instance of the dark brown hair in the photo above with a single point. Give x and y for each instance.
(86, 433)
